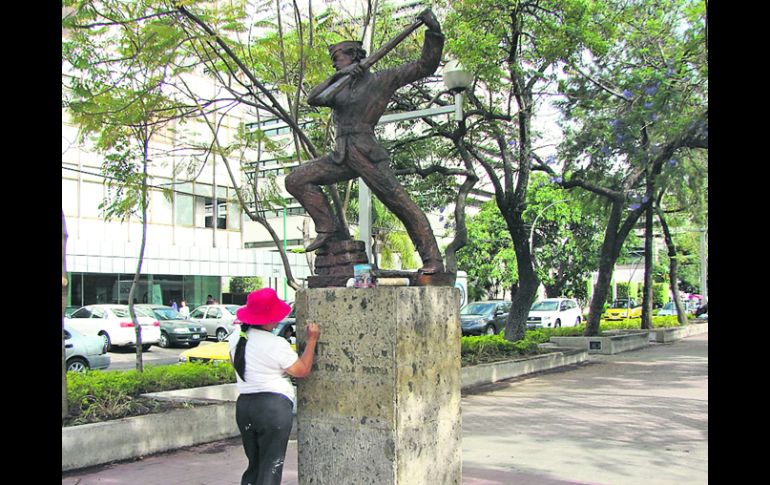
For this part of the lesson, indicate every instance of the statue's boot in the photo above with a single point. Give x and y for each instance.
(432, 266)
(320, 240)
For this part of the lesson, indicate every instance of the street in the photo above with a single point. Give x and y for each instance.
(124, 358)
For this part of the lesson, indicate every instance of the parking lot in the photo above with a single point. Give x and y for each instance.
(124, 358)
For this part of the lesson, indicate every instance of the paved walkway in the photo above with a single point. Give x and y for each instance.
(635, 418)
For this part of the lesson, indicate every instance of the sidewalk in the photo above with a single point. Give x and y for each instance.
(635, 418)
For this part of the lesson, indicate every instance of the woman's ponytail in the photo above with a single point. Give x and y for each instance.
(239, 359)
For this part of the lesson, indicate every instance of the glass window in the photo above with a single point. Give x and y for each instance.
(160, 207)
(197, 313)
(214, 313)
(221, 213)
(82, 313)
(234, 216)
(184, 210)
(69, 200)
(99, 313)
(91, 196)
(123, 313)
(545, 306)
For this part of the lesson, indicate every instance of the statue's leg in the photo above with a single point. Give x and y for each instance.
(304, 183)
(384, 184)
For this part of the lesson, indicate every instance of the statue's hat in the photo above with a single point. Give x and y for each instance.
(346, 45)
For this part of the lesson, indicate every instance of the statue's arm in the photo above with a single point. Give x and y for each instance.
(426, 65)
(318, 97)
(315, 98)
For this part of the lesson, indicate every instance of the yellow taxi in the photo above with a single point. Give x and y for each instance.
(623, 308)
(217, 351)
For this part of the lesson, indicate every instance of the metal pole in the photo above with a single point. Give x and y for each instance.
(703, 262)
(534, 223)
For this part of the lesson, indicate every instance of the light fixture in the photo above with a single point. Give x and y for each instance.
(456, 79)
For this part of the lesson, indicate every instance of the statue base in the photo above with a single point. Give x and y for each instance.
(382, 405)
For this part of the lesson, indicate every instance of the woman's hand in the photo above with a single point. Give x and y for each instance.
(313, 331)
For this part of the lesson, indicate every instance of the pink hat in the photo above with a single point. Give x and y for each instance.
(263, 307)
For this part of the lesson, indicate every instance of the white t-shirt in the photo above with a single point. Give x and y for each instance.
(267, 356)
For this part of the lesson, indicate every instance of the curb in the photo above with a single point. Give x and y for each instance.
(122, 439)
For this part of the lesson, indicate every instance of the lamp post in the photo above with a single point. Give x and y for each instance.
(456, 80)
(534, 223)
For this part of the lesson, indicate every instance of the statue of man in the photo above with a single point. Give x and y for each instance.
(356, 110)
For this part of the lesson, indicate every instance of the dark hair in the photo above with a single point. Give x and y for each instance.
(239, 359)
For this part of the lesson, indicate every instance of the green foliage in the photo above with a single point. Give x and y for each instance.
(241, 284)
(488, 258)
(488, 348)
(566, 237)
(96, 395)
(660, 293)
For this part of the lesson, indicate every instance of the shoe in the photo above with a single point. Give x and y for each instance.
(432, 267)
(320, 240)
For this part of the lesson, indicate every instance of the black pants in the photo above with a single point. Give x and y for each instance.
(265, 421)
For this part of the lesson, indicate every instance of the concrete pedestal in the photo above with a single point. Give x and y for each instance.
(382, 405)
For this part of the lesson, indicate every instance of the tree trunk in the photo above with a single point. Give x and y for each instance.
(527, 287)
(648, 293)
(606, 267)
(135, 282)
(64, 287)
(673, 265)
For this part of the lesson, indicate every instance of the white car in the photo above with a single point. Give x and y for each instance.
(84, 352)
(113, 323)
(554, 312)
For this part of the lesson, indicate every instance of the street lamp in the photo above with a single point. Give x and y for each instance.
(534, 223)
(456, 80)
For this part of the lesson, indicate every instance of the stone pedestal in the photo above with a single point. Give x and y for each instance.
(382, 405)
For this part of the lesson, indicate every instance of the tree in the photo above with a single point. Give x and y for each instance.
(630, 114)
(565, 242)
(513, 49)
(240, 285)
(121, 110)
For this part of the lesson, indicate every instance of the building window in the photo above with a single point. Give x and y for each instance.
(221, 213)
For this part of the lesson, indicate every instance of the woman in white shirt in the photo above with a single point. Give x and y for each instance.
(263, 363)
(184, 309)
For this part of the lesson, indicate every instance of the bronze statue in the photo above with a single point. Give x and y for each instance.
(358, 98)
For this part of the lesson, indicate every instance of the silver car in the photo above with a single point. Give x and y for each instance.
(84, 352)
(217, 319)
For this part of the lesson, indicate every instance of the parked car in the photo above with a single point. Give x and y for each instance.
(70, 310)
(703, 311)
(484, 317)
(113, 323)
(218, 351)
(216, 319)
(287, 327)
(623, 308)
(84, 352)
(669, 309)
(174, 328)
(553, 313)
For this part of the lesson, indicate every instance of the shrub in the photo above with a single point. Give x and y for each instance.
(96, 395)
